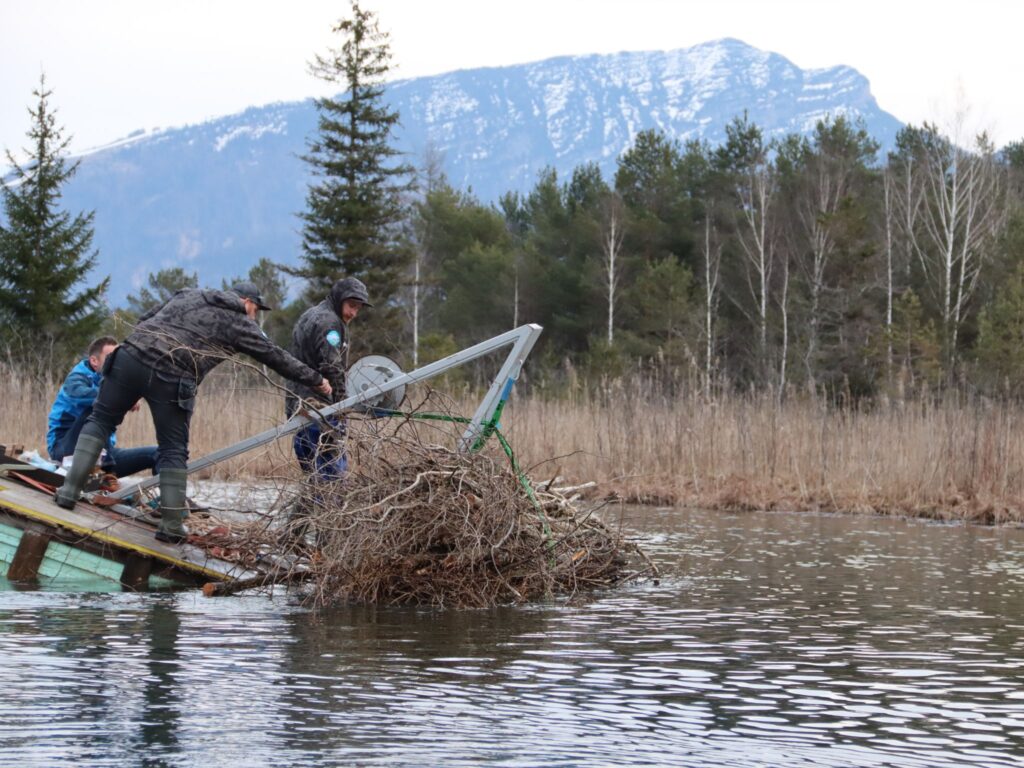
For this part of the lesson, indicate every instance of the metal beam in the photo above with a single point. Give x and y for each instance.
(501, 387)
(524, 337)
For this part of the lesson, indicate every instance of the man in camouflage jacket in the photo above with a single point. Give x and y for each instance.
(320, 340)
(164, 360)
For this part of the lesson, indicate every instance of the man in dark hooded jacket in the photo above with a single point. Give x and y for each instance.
(164, 360)
(320, 340)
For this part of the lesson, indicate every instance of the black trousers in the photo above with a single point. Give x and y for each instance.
(171, 402)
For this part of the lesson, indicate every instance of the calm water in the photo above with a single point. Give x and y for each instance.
(772, 639)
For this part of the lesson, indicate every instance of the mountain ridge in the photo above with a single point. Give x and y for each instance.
(216, 196)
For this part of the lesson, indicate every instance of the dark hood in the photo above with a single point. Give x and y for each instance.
(349, 288)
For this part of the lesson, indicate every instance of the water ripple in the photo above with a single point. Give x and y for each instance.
(773, 639)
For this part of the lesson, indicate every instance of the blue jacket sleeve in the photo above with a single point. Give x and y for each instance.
(81, 389)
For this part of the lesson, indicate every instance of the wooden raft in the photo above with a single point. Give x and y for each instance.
(51, 542)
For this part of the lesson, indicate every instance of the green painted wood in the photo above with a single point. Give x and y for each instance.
(9, 538)
(67, 566)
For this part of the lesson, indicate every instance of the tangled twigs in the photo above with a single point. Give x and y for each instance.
(414, 522)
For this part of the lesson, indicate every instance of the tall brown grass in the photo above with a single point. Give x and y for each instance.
(957, 458)
(950, 459)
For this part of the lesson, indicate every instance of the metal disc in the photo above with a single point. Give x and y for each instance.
(373, 371)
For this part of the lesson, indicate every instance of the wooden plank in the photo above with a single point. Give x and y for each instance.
(36, 473)
(30, 553)
(135, 575)
(87, 522)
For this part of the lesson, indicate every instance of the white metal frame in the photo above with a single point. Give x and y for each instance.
(522, 338)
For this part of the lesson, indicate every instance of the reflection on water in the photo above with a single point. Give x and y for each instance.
(772, 640)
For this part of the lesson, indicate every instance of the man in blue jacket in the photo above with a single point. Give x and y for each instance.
(73, 406)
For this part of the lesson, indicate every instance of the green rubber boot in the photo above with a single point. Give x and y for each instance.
(87, 452)
(173, 506)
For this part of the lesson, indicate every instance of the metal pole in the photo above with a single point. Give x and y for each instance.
(501, 387)
(526, 335)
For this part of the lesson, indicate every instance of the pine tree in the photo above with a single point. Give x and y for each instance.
(160, 286)
(999, 349)
(917, 344)
(45, 252)
(354, 208)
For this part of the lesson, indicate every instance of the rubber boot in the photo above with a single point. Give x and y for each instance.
(297, 526)
(173, 509)
(87, 452)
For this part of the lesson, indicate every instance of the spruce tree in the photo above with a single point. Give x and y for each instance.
(45, 251)
(354, 207)
(160, 286)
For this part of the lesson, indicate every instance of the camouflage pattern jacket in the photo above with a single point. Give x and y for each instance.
(320, 340)
(196, 330)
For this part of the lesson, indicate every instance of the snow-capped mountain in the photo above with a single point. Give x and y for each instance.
(216, 197)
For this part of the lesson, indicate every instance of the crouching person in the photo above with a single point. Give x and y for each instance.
(164, 361)
(72, 407)
(320, 340)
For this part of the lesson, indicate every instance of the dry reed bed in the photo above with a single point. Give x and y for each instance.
(950, 460)
(947, 460)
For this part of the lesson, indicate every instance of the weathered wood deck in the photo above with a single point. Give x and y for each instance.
(98, 541)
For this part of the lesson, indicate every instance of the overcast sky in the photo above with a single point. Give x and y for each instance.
(116, 66)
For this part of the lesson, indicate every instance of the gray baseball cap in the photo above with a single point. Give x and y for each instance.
(249, 290)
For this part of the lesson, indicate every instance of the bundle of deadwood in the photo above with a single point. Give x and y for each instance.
(415, 522)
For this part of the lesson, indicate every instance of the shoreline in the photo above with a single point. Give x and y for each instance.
(968, 512)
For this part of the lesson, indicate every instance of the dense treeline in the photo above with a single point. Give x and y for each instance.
(794, 262)
(774, 264)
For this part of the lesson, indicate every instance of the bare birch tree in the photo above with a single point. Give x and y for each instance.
(419, 233)
(902, 200)
(612, 233)
(745, 156)
(962, 212)
(889, 246)
(711, 255)
(784, 310)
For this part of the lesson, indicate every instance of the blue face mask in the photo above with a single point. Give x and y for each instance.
(334, 338)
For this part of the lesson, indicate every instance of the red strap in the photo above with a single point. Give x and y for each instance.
(37, 484)
(98, 499)
(101, 500)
